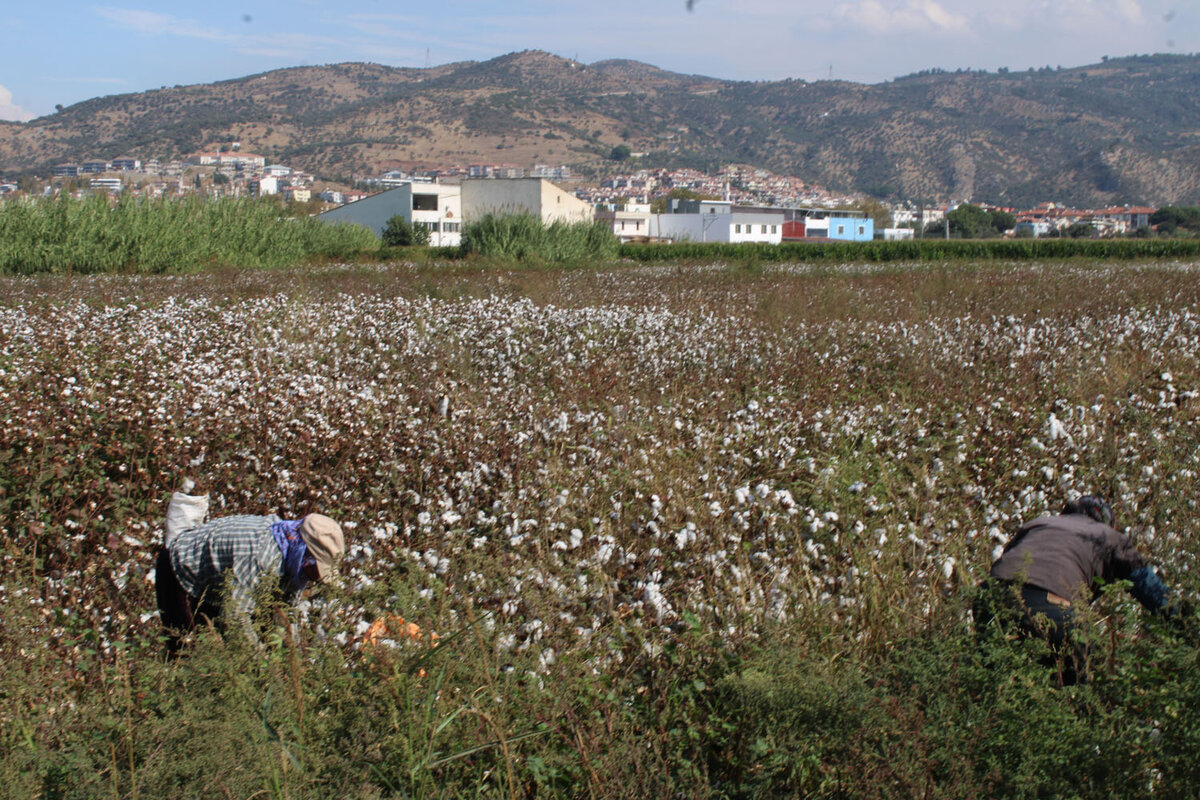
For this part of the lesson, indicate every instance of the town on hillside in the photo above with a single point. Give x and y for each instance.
(736, 204)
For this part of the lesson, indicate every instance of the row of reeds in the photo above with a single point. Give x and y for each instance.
(524, 237)
(96, 234)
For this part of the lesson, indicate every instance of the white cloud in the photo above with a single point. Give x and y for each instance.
(1131, 10)
(909, 16)
(156, 24)
(10, 110)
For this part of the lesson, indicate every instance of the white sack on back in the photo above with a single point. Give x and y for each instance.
(185, 512)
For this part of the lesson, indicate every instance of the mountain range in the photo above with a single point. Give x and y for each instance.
(1124, 131)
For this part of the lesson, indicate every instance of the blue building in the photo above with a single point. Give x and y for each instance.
(819, 223)
(846, 228)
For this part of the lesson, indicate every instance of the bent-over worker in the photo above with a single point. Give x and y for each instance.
(1056, 564)
(191, 571)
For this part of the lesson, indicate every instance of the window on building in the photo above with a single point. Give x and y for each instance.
(774, 229)
(764, 228)
(450, 227)
(737, 228)
(862, 229)
(841, 229)
(425, 202)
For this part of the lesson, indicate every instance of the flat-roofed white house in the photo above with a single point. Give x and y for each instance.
(437, 207)
(717, 221)
(629, 221)
(536, 196)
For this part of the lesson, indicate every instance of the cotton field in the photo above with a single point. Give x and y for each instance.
(556, 453)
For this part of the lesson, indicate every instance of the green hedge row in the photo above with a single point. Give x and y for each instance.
(918, 250)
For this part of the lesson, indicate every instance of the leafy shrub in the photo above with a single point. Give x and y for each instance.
(398, 232)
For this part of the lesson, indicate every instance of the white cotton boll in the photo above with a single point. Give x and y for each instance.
(882, 539)
(1148, 471)
(1058, 431)
(678, 425)
(1048, 473)
(762, 490)
(997, 551)
(478, 542)
(443, 566)
(424, 518)
(831, 516)
(1168, 377)
(715, 509)
(857, 487)
(948, 568)
(741, 495)
(559, 545)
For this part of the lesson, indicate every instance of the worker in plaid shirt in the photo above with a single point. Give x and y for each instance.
(246, 550)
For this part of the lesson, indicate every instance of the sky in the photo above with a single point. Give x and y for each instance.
(63, 52)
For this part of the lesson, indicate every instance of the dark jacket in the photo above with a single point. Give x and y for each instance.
(1067, 554)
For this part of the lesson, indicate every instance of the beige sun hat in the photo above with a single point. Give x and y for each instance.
(325, 542)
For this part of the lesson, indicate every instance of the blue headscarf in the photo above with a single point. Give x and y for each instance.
(292, 546)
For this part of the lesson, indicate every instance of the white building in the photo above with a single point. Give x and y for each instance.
(126, 164)
(535, 196)
(718, 221)
(436, 207)
(264, 186)
(1032, 228)
(107, 184)
(629, 221)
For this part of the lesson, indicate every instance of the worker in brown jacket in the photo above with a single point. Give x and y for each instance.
(1056, 564)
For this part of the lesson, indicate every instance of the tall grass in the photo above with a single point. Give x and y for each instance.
(793, 712)
(524, 237)
(96, 235)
